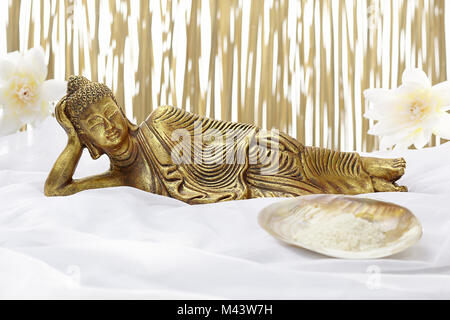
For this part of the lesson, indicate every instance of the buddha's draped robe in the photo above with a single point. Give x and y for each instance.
(200, 160)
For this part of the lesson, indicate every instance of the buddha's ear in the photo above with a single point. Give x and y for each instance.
(93, 150)
(131, 126)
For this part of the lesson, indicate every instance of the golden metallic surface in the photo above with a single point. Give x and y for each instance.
(300, 66)
(200, 160)
(283, 220)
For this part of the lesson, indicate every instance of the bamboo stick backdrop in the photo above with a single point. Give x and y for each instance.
(299, 65)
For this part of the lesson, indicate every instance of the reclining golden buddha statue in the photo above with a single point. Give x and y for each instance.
(199, 160)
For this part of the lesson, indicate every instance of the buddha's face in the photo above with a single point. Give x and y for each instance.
(104, 125)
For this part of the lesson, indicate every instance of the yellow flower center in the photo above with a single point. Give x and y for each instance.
(421, 105)
(417, 111)
(25, 94)
(24, 91)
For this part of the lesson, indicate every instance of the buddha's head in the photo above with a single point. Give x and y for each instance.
(99, 121)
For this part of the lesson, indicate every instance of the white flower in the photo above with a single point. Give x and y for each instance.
(411, 113)
(25, 95)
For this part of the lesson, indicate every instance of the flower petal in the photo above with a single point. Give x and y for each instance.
(40, 114)
(373, 114)
(378, 95)
(442, 128)
(53, 90)
(389, 126)
(2, 98)
(6, 70)
(442, 92)
(415, 78)
(408, 91)
(387, 142)
(34, 62)
(9, 124)
(402, 146)
(421, 140)
(13, 57)
(386, 111)
(405, 138)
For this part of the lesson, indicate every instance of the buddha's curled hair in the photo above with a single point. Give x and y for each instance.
(80, 94)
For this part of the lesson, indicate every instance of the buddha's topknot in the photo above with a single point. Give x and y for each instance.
(80, 94)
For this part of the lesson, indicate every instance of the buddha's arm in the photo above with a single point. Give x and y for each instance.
(60, 181)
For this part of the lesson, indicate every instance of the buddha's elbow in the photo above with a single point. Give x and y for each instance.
(50, 191)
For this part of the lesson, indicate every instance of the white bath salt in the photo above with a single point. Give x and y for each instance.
(343, 232)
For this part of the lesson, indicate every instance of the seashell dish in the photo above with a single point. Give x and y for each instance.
(342, 226)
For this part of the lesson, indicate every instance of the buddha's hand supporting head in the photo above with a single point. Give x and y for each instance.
(98, 121)
(64, 121)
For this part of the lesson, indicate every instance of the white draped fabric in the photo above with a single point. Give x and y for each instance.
(125, 243)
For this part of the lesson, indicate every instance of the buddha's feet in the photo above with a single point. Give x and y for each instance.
(387, 169)
(382, 185)
(384, 173)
